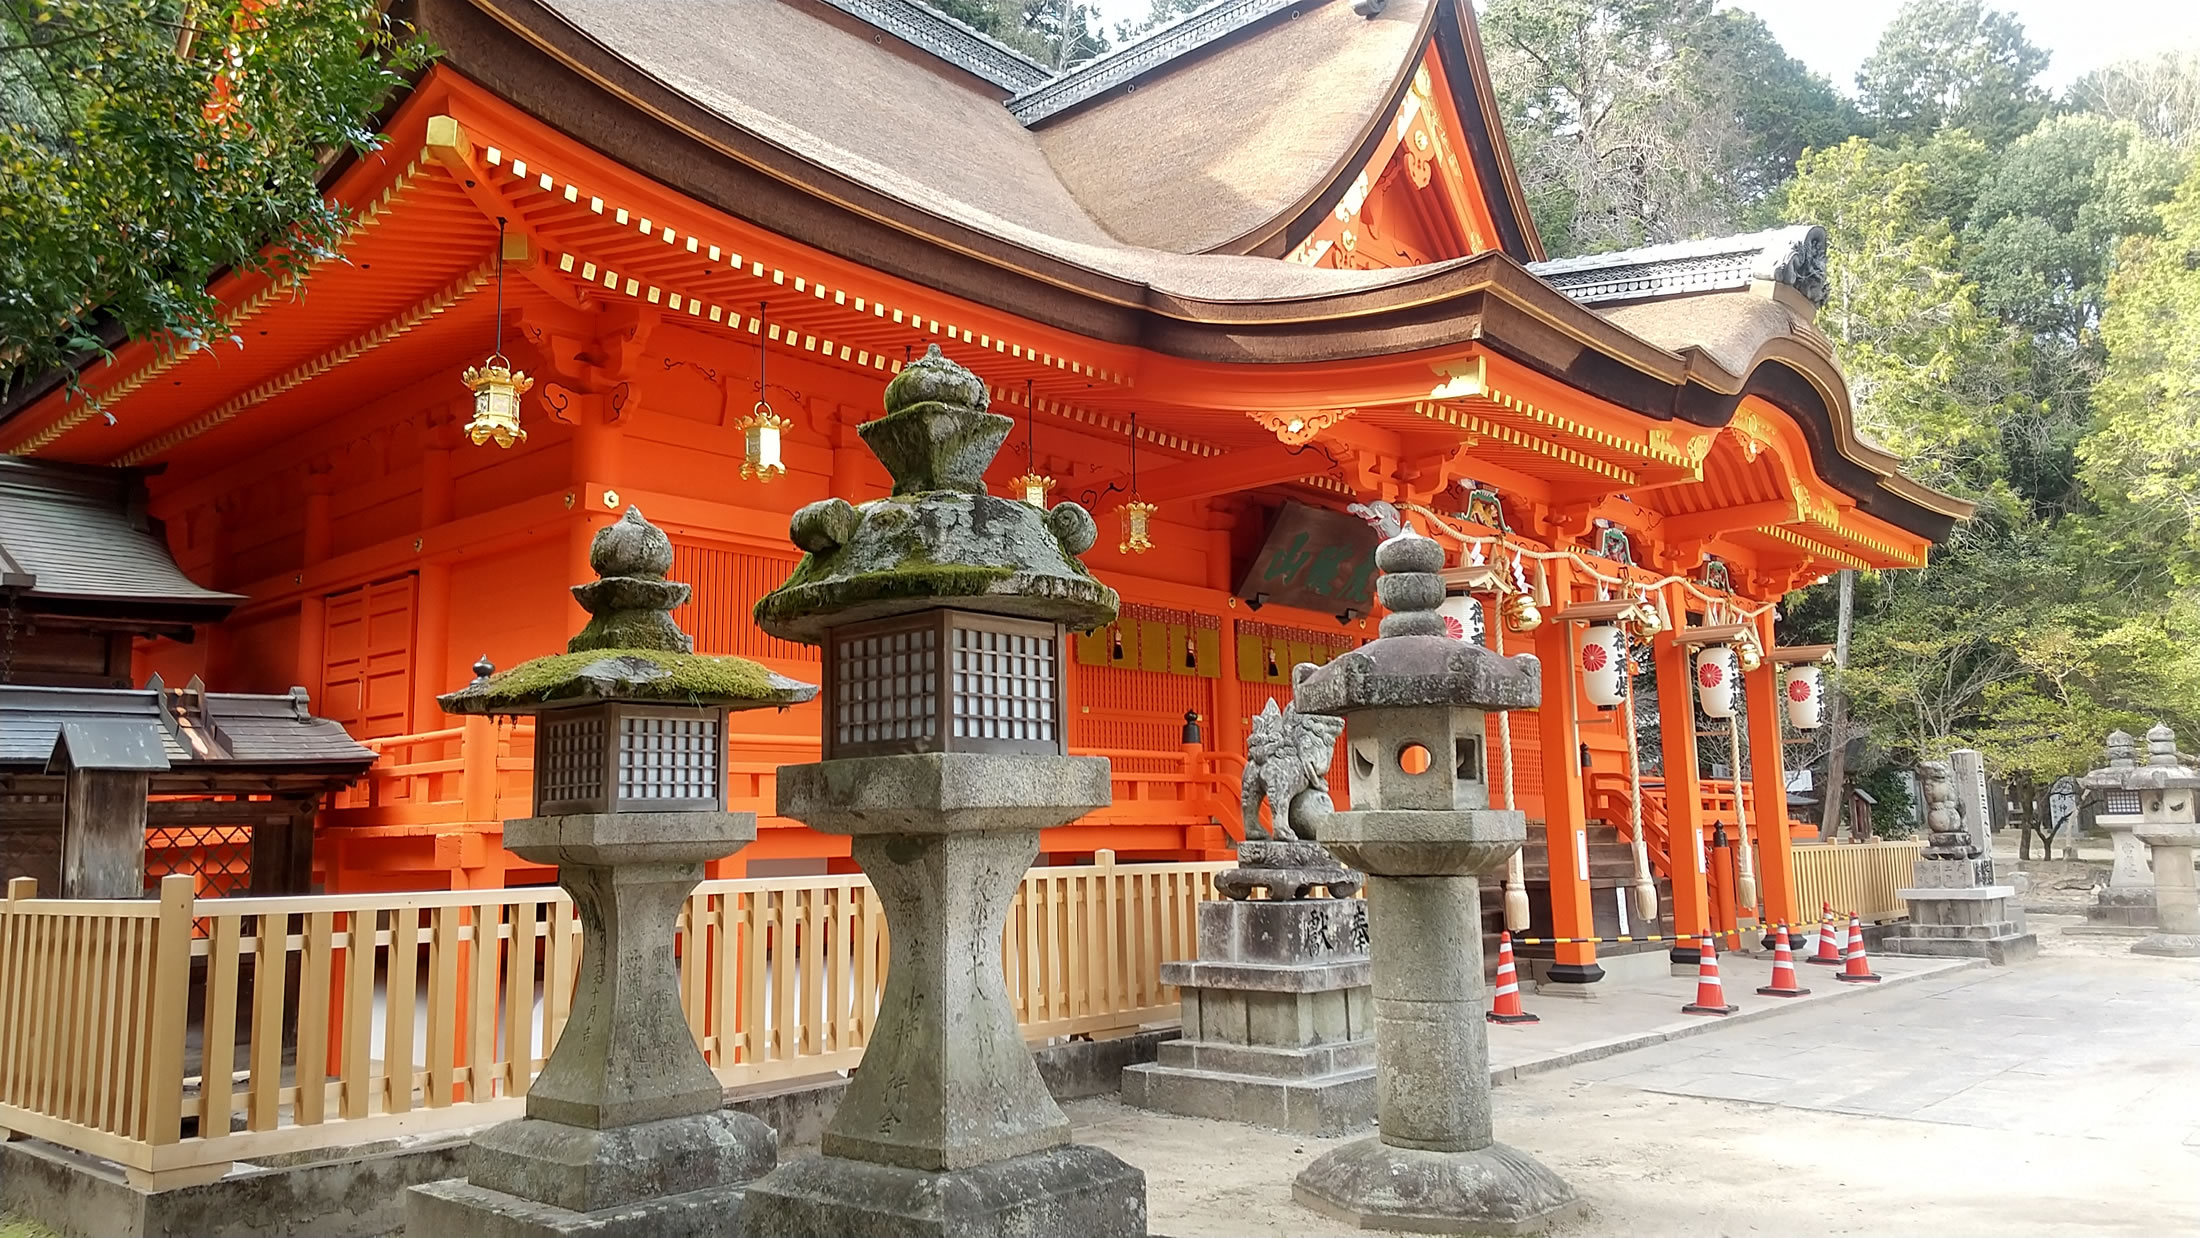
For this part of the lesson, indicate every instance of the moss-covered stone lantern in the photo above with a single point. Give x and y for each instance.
(941, 611)
(1422, 830)
(625, 1132)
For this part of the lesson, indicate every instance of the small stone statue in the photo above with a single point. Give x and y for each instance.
(1950, 837)
(1287, 764)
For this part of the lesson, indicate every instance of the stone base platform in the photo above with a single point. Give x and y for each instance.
(2123, 907)
(1494, 1190)
(1979, 922)
(2169, 946)
(1069, 1190)
(1278, 1029)
(459, 1207)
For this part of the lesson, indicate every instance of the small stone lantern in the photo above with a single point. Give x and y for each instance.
(1422, 830)
(625, 1132)
(2169, 815)
(2128, 898)
(941, 610)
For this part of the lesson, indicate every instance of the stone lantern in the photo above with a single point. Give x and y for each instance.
(625, 1132)
(1422, 830)
(941, 610)
(2170, 825)
(2128, 899)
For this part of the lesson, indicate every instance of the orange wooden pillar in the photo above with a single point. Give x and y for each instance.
(1565, 804)
(1684, 815)
(1768, 824)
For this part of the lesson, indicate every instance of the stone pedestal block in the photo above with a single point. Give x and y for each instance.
(1277, 1025)
(2176, 900)
(1982, 922)
(1952, 874)
(2132, 869)
(624, 1134)
(2123, 907)
(1435, 1165)
(947, 1128)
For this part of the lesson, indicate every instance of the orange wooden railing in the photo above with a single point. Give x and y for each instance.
(340, 1019)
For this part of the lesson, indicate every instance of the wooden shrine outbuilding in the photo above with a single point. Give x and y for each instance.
(1262, 265)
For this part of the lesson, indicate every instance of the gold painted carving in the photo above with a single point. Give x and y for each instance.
(1297, 428)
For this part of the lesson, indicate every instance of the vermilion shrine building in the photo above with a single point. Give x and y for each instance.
(1277, 249)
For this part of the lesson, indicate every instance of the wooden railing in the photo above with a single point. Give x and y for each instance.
(480, 772)
(342, 1018)
(1858, 877)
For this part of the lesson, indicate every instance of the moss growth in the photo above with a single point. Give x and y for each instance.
(649, 674)
(803, 596)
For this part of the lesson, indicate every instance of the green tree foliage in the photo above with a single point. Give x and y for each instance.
(2142, 458)
(2158, 94)
(147, 144)
(1636, 121)
(1953, 64)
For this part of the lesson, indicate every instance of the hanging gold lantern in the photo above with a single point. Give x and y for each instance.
(497, 387)
(1137, 533)
(764, 429)
(1034, 486)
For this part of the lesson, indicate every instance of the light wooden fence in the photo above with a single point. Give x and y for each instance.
(1858, 877)
(175, 1036)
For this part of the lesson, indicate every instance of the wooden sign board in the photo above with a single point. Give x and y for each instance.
(1314, 559)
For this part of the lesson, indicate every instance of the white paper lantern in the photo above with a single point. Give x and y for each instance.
(1804, 687)
(1604, 664)
(1463, 618)
(1716, 673)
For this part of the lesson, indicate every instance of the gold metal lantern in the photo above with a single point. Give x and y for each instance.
(763, 429)
(497, 388)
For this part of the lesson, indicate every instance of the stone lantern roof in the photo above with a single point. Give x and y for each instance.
(1412, 663)
(631, 649)
(939, 541)
(2164, 769)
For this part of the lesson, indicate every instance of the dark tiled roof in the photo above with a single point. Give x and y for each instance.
(924, 26)
(1795, 256)
(193, 729)
(1155, 48)
(80, 533)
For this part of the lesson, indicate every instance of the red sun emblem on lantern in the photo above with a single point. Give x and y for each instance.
(1454, 629)
(1593, 657)
(1798, 689)
(1710, 674)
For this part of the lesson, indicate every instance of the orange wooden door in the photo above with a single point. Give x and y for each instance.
(366, 670)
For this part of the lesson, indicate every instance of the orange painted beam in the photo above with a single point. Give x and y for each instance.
(1683, 787)
(1565, 804)
(1767, 771)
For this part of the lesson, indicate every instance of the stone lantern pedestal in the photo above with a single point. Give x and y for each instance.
(1414, 707)
(2176, 901)
(947, 1127)
(625, 1134)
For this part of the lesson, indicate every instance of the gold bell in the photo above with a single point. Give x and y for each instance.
(1748, 654)
(1521, 613)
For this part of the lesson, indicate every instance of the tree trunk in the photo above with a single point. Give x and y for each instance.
(1837, 761)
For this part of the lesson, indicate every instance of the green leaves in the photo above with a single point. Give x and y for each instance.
(149, 144)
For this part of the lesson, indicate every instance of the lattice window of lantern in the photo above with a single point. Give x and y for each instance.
(2122, 803)
(1004, 685)
(888, 685)
(569, 760)
(668, 757)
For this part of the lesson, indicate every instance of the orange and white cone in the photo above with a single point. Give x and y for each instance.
(1783, 969)
(1506, 1006)
(1858, 968)
(1829, 945)
(1710, 994)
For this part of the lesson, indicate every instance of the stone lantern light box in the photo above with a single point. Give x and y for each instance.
(944, 681)
(629, 718)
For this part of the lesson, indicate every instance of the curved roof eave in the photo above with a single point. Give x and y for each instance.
(1200, 307)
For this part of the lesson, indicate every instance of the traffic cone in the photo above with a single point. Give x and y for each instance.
(1783, 969)
(1829, 946)
(1506, 1007)
(1710, 994)
(1859, 968)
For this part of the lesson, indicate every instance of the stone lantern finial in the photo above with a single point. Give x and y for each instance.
(2123, 750)
(2161, 745)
